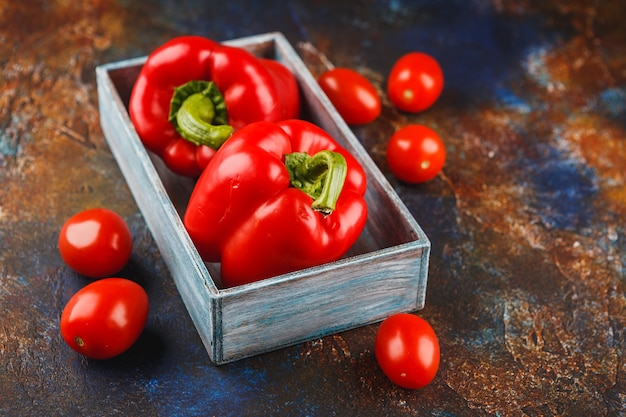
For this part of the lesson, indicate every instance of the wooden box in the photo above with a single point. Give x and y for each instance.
(384, 273)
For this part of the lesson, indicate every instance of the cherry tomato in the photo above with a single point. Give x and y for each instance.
(407, 350)
(415, 153)
(105, 318)
(96, 243)
(415, 82)
(354, 97)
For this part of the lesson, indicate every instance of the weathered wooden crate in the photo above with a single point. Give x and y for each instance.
(384, 273)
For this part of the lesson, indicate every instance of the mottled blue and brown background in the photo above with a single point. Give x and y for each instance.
(527, 220)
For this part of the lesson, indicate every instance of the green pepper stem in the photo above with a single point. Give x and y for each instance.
(198, 112)
(321, 176)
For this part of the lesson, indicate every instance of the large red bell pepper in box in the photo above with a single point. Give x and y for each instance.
(276, 198)
(192, 93)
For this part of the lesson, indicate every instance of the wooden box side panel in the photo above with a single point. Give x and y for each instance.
(187, 269)
(330, 300)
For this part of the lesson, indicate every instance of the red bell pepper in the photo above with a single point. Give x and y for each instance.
(276, 198)
(192, 93)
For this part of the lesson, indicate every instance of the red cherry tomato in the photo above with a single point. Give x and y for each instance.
(407, 350)
(415, 82)
(415, 153)
(105, 318)
(354, 97)
(95, 243)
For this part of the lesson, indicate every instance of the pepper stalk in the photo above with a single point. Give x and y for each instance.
(199, 113)
(321, 176)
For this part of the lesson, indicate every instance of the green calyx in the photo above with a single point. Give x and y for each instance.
(321, 176)
(198, 112)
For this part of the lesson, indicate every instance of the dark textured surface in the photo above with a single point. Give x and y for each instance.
(527, 221)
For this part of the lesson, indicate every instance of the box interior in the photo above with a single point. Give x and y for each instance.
(386, 226)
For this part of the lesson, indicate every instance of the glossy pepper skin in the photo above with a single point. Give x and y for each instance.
(246, 213)
(244, 89)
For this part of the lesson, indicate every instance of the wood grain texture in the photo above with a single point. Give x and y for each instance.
(322, 301)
